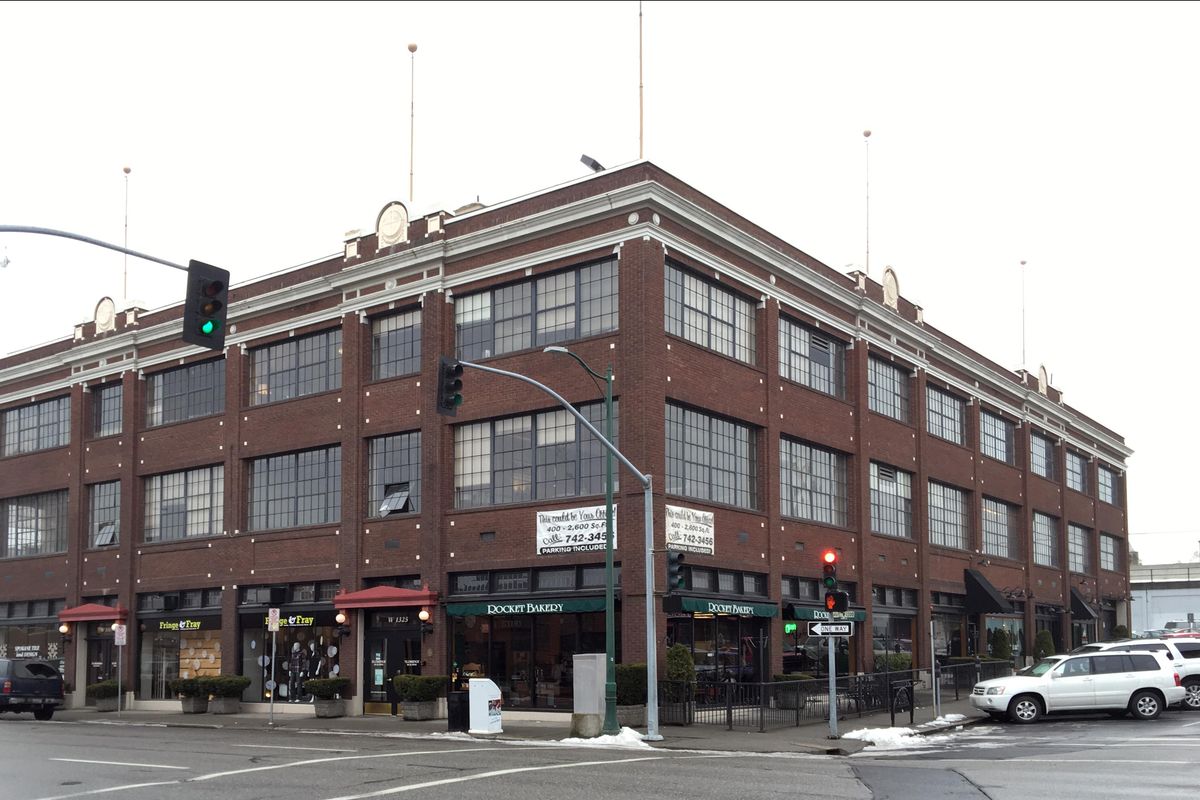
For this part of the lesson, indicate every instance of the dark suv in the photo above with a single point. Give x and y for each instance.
(29, 684)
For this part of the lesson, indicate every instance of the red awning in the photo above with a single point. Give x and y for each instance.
(91, 612)
(384, 597)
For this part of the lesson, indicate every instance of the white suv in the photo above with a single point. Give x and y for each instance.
(1119, 682)
(1184, 654)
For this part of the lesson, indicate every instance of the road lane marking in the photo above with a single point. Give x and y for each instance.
(118, 763)
(311, 761)
(494, 774)
(286, 747)
(110, 789)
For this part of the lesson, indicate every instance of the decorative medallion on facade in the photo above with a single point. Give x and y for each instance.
(106, 315)
(392, 226)
(891, 289)
(1043, 379)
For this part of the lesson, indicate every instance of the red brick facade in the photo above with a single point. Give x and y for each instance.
(646, 217)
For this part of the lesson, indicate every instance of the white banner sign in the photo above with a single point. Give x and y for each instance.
(573, 530)
(119, 635)
(273, 620)
(690, 531)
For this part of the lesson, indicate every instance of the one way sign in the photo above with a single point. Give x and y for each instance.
(831, 629)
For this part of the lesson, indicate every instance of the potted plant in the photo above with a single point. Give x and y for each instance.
(678, 699)
(105, 694)
(631, 695)
(192, 693)
(226, 692)
(788, 697)
(419, 694)
(1043, 644)
(327, 696)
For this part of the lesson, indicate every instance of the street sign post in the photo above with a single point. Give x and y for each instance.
(119, 634)
(831, 629)
(272, 686)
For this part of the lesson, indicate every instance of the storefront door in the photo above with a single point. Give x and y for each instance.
(101, 661)
(388, 654)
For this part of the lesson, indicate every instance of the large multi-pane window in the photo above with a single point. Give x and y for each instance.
(1045, 540)
(183, 505)
(1076, 472)
(947, 516)
(104, 526)
(34, 524)
(396, 345)
(709, 315)
(1110, 552)
(394, 470)
(556, 308)
(945, 415)
(175, 395)
(1041, 456)
(296, 367)
(38, 426)
(532, 457)
(1000, 528)
(813, 483)
(106, 410)
(811, 358)
(891, 501)
(887, 389)
(711, 458)
(296, 489)
(996, 435)
(1079, 548)
(1108, 485)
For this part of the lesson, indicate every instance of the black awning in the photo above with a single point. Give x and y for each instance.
(1080, 608)
(982, 597)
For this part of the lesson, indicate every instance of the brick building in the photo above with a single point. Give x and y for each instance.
(781, 407)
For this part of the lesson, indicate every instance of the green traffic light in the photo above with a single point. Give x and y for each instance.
(208, 327)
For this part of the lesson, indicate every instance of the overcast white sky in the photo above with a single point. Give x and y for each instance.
(258, 134)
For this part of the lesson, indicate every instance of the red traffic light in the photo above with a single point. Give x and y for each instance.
(831, 601)
(830, 557)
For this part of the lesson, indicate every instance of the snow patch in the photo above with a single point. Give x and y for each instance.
(628, 737)
(888, 738)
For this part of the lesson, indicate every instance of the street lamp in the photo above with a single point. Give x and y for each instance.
(610, 647)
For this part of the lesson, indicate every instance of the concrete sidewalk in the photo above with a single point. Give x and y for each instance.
(809, 738)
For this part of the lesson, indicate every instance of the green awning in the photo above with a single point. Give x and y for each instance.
(813, 612)
(741, 607)
(540, 606)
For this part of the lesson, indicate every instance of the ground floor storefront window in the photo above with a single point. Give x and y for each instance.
(727, 647)
(33, 640)
(1014, 630)
(305, 647)
(892, 641)
(180, 647)
(527, 648)
(1049, 618)
(949, 640)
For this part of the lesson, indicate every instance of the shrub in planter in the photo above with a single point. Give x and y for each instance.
(676, 702)
(105, 694)
(788, 697)
(193, 694)
(1120, 632)
(1043, 644)
(631, 695)
(327, 696)
(419, 694)
(631, 684)
(226, 691)
(1001, 645)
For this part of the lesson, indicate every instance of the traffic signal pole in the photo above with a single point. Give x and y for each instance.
(647, 483)
(88, 240)
(833, 732)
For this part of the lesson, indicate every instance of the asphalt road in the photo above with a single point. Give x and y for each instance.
(1064, 758)
(1077, 757)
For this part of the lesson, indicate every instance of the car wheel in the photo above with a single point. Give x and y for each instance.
(1191, 700)
(1145, 705)
(1025, 709)
(43, 713)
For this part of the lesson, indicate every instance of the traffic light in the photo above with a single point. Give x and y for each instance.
(837, 601)
(674, 571)
(204, 308)
(829, 570)
(449, 395)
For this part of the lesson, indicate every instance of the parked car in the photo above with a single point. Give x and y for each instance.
(1119, 682)
(1041, 666)
(29, 684)
(1184, 654)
